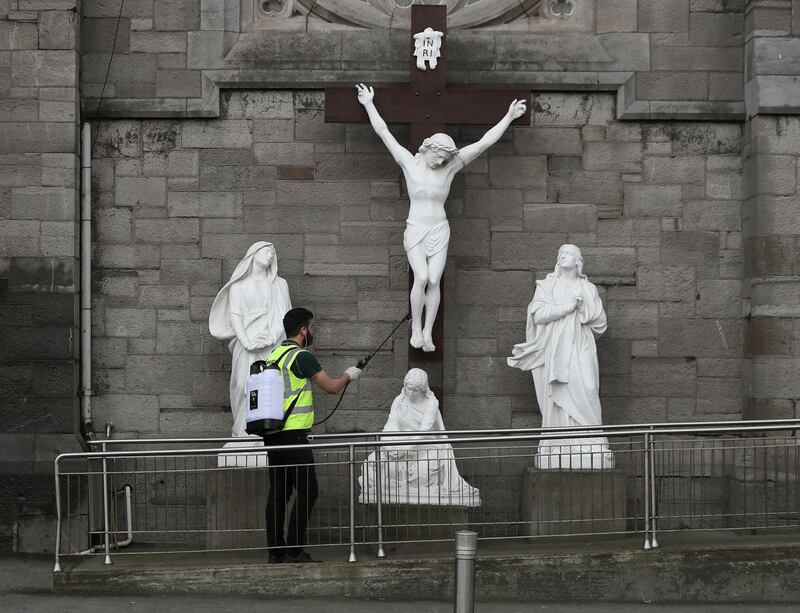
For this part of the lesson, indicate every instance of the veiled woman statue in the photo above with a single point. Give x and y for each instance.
(564, 318)
(416, 474)
(248, 312)
(429, 175)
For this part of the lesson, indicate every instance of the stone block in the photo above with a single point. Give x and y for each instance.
(237, 177)
(616, 16)
(628, 232)
(181, 338)
(700, 337)
(171, 163)
(126, 256)
(128, 412)
(633, 320)
(706, 138)
(674, 169)
(140, 191)
(574, 501)
(507, 288)
(776, 215)
(348, 260)
(573, 109)
(666, 283)
(22, 343)
(774, 377)
(273, 130)
(49, 137)
(775, 297)
(250, 104)
(180, 15)
(726, 85)
(493, 204)
(470, 238)
(622, 156)
(99, 35)
(190, 272)
(205, 49)
(123, 286)
(716, 29)
(330, 193)
(718, 215)
(310, 126)
(43, 68)
(664, 377)
(582, 187)
(524, 250)
(132, 68)
(547, 141)
(58, 30)
(216, 134)
(159, 135)
(130, 322)
(561, 218)
(700, 248)
(489, 376)
(178, 83)
(149, 41)
(118, 139)
(724, 184)
(777, 174)
(719, 298)
(668, 85)
(298, 154)
(663, 16)
(675, 57)
(355, 166)
(58, 238)
(154, 374)
(642, 200)
(610, 265)
(43, 203)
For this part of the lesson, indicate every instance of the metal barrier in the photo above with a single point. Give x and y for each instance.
(667, 477)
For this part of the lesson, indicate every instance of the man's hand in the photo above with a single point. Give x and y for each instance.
(365, 94)
(353, 372)
(516, 109)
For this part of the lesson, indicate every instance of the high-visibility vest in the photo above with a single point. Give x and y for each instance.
(302, 416)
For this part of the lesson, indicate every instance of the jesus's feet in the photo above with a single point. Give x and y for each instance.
(416, 340)
(427, 345)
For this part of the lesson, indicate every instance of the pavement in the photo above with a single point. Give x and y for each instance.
(26, 587)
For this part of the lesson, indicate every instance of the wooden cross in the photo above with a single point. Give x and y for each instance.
(428, 105)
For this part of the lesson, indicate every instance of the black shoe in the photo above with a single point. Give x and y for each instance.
(277, 558)
(299, 557)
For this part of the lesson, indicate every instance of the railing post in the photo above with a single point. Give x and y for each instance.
(466, 552)
(352, 463)
(653, 539)
(57, 566)
(646, 490)
(378, 477)
(106, 520)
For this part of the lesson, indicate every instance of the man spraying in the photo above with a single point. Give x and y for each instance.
(293, 469)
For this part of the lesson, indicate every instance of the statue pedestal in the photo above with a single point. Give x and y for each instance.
(573, 501)
(249, 454)
(236, 499)
(419, 522)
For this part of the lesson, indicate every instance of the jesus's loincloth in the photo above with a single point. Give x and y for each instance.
(433, 238)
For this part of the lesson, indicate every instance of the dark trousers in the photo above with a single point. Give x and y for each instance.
(290, 470)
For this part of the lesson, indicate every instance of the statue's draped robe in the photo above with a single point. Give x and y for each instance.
(261, 300)
(416, 474)
(561, 353)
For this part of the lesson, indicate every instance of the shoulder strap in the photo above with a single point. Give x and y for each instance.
(283, 355)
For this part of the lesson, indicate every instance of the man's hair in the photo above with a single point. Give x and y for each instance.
(295, 319)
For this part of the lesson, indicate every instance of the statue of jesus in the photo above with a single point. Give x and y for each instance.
(429, 175)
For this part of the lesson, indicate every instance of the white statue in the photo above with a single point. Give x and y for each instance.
(416, 474)
(428, 176)
(428, 48)
(564, 318)
(248, 312)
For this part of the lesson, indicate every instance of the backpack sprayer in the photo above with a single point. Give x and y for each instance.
(265, 391)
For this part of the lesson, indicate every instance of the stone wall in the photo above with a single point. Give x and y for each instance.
(39, 103)
(654, 206)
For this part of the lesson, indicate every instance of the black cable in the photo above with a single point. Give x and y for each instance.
(363, 364)
(108, 71)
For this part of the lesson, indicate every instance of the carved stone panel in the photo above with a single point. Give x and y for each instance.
(515, 15)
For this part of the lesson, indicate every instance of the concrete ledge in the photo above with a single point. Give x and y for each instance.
(620, 573)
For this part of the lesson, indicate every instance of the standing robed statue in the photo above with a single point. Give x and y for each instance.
(428, 176)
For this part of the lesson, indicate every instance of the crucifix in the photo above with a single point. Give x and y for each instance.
(428, 105)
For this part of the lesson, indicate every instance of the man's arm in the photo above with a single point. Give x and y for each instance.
(471, 152)
(328, 384)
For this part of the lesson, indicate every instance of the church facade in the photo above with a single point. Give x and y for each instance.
(664, 141)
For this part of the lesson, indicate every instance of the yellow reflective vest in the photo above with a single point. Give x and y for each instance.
(302, 416)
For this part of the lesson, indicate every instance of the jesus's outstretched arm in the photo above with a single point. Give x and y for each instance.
(471, 152)
(400, 154)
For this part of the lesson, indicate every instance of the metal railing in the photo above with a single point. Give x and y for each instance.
(186, 495)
